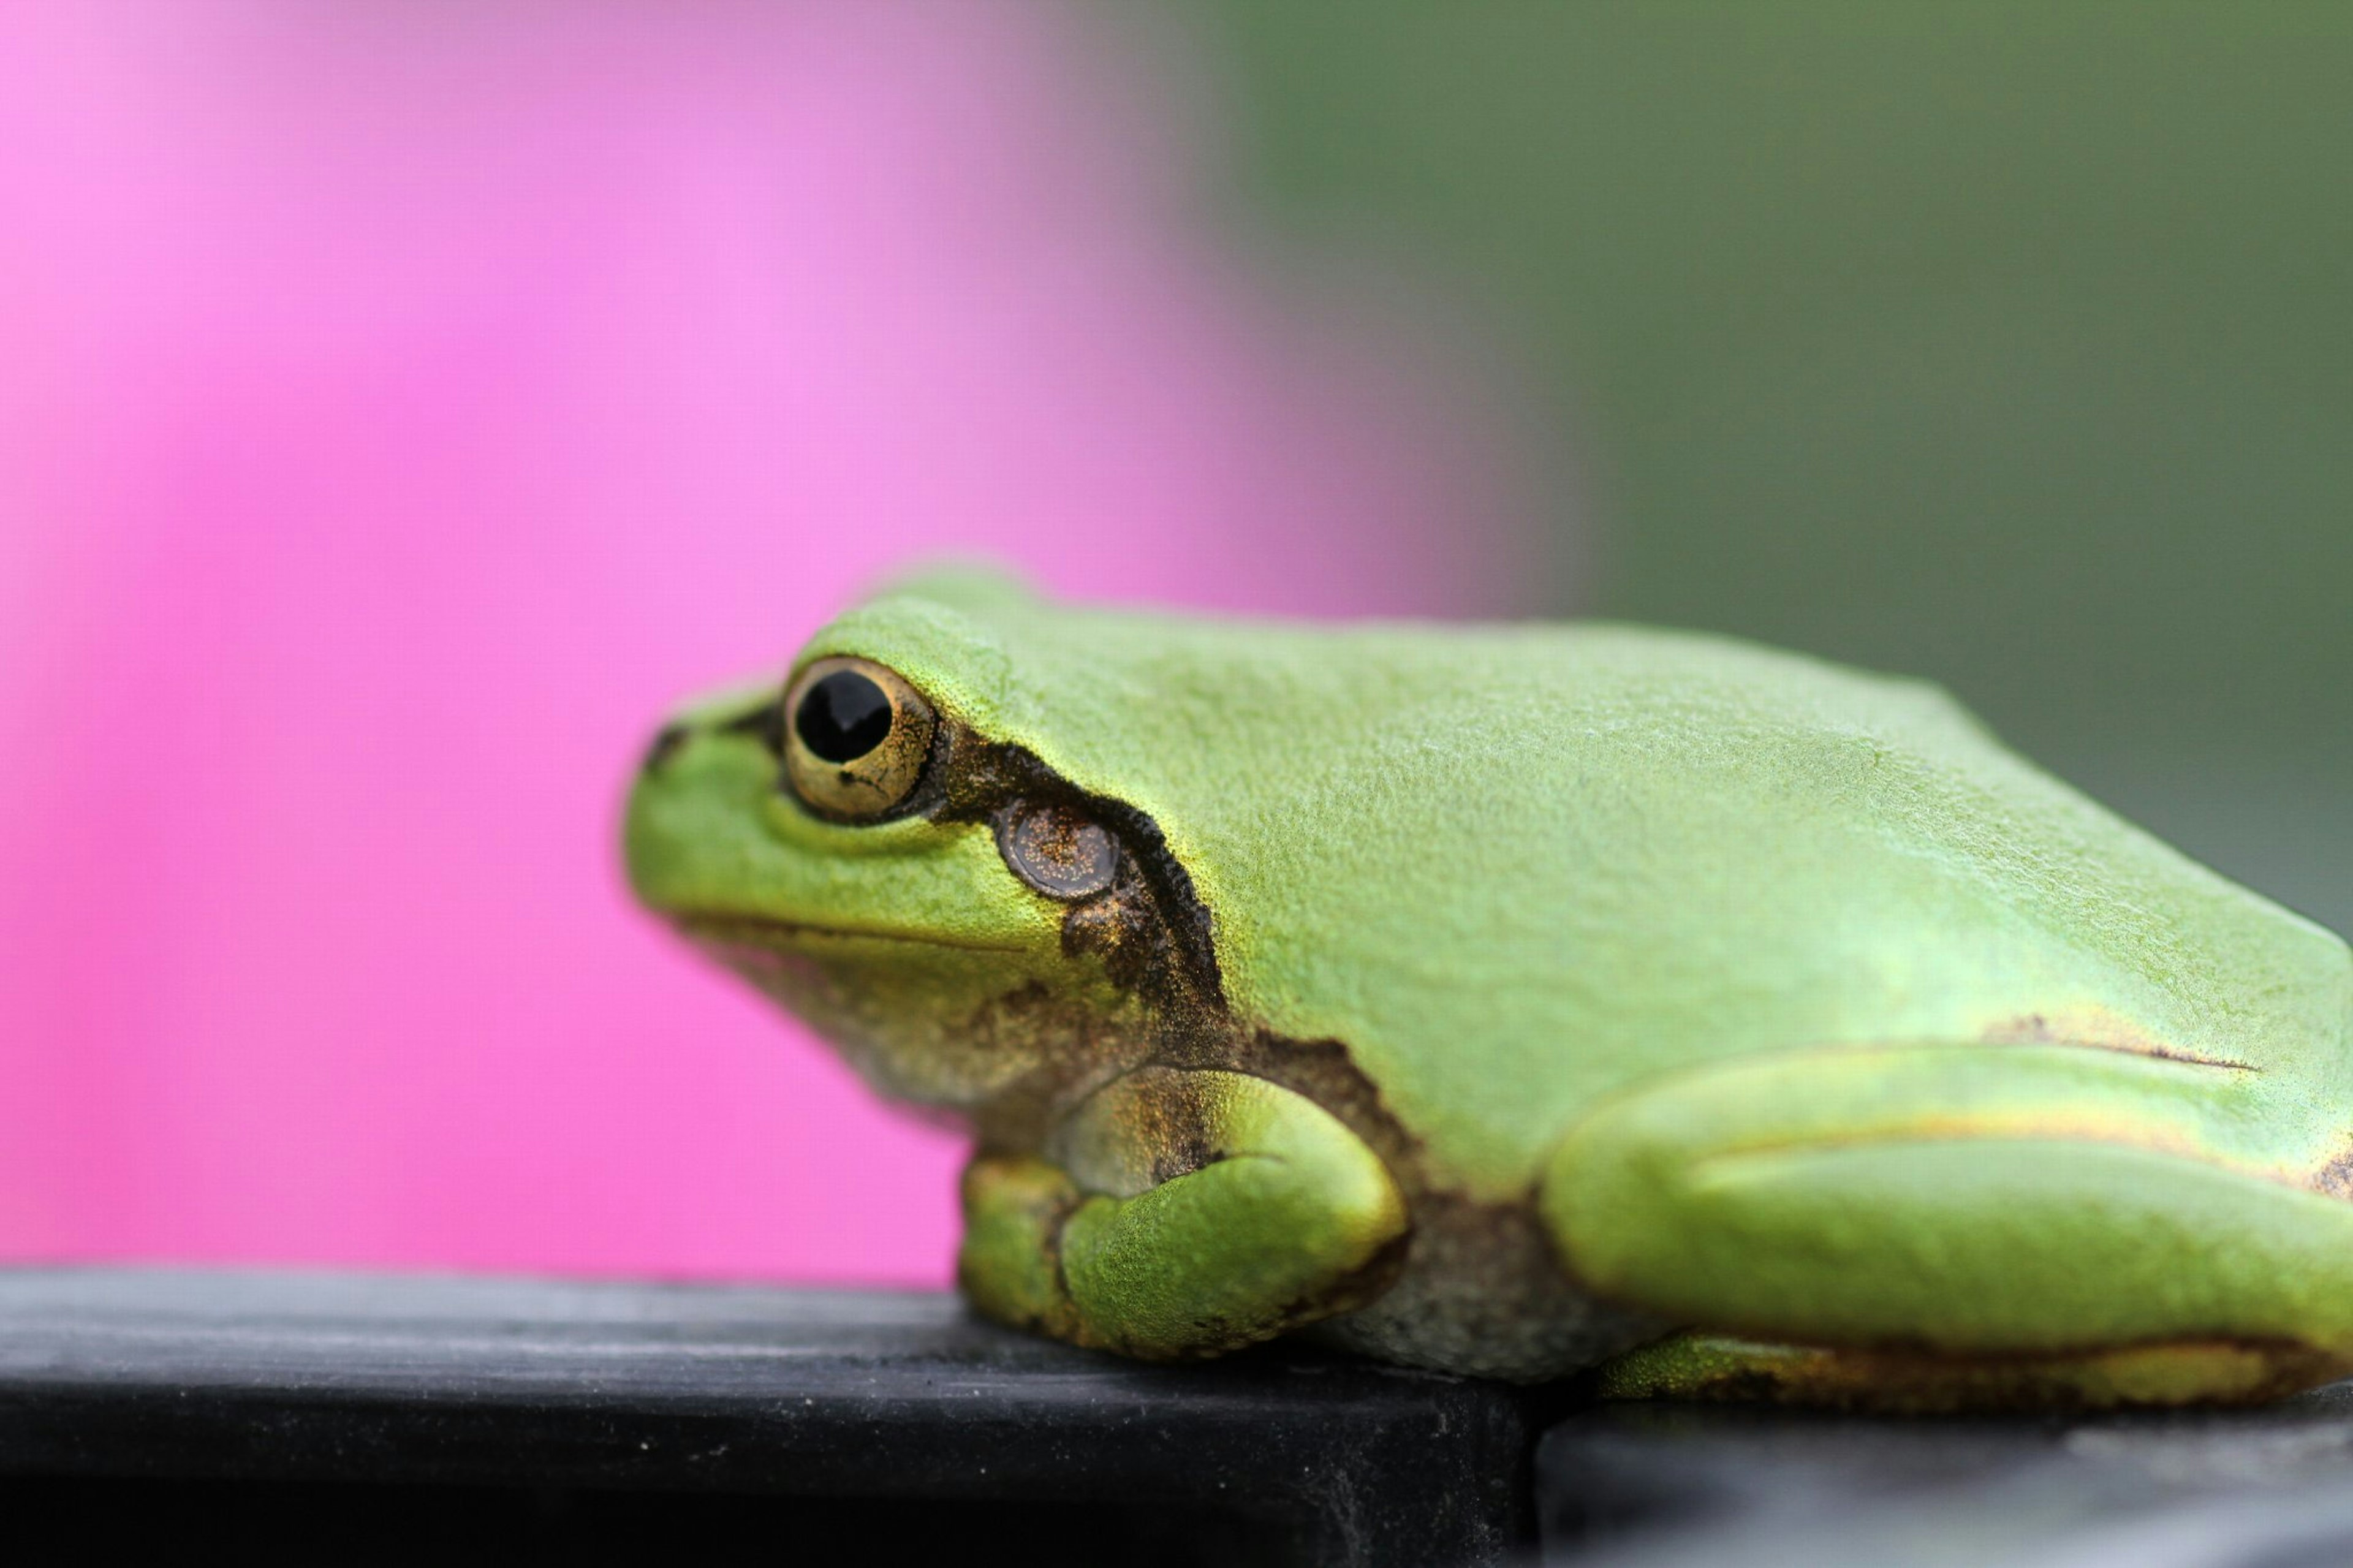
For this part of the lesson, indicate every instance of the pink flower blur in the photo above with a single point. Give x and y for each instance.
(400, 407)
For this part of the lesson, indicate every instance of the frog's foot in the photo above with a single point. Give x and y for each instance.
(1182, 1214)
(1959, 1226)
(2184, 1371)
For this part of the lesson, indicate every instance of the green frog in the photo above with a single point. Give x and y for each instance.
(1530, 1000)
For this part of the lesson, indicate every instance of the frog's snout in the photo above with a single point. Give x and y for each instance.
(763, 722)
(664, 746)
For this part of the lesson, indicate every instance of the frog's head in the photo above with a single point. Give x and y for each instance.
(868, 841)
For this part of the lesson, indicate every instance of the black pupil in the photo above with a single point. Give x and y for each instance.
(843, 717)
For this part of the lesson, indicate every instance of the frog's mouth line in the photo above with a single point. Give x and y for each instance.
(764, 931)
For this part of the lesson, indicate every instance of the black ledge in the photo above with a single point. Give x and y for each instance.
(356, 1418)
(1665, 1485)
(386, 1418)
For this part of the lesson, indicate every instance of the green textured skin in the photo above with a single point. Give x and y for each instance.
(1602, 912)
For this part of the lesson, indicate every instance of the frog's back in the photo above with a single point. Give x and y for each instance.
(1512, 868)
(1669, 849)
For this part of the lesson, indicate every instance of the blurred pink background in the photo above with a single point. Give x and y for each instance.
(401, 406)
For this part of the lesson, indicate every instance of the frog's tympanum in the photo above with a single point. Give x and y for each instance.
(1522, 1000)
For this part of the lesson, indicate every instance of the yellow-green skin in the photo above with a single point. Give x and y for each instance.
(1575, 987)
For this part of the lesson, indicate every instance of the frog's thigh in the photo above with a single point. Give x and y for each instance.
(1224, 1209)
(1954, 1201)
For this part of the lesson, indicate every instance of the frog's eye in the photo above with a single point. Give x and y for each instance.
(856, 736)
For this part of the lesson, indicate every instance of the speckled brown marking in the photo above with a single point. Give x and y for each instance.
(2336, 1178)
(1057, 849)
(2099, 1029)
(1088, 1051)
(1174, 1125)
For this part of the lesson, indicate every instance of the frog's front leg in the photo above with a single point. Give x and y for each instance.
(1962, 1225)
(1182, 1213)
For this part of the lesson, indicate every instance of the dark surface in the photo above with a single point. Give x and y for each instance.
(1630, 1484)
(361, 1419)
(387, 1418)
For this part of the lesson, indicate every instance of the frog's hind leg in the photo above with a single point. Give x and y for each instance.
(1949, 1227)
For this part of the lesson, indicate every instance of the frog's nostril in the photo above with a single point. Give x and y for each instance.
(667, 740)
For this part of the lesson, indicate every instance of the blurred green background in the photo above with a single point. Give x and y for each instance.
(2007, 345)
